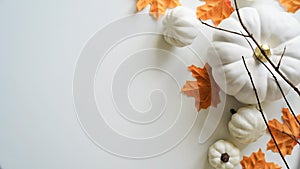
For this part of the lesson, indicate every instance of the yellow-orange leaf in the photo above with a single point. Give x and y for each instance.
(257, 161)
(158, 7)
(204, 89)
(141, 4)
(285, 133)
(291, 5)
(216, 10)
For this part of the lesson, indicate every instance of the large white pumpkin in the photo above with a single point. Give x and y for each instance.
(244, 3)
(257, 3)
(275, 30)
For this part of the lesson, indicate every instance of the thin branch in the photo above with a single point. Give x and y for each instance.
(277, 83)
(262, 113)
(291, 136)
(263, 52)
(278, 65)
(222, 29)
(250, 45)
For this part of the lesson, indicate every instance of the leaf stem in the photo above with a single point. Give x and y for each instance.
(291, 136)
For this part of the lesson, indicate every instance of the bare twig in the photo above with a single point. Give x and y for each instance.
(262, 113)
(221, 29)
(278, 65)
(291, 136)
(281, 91)
(250, 45)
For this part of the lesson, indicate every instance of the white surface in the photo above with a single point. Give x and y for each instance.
(39, 47)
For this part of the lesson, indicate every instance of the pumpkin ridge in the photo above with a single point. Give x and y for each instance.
(220, 37)
(289, 54)
(252, 24)
(181, 25)
(182, 22)
(228, 46)
(252, 119)
(181, 31)
(270, 91)
(281, 45)
(236, 129)
(287, 71)
(231, 81)
(220, 148)
(249, 97)
(242, 122)
(286, 57)
(233, 62)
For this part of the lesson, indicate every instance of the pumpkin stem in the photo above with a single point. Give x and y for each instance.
(263, 51)
(233, 111)
(225, 157)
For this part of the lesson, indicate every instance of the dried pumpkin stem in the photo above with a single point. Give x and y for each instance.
(225, 157)
(233, 111)
(262, 113)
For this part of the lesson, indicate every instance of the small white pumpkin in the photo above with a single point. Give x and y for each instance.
(223, 155)
(271, 28)
(180, 26)
(247, 125)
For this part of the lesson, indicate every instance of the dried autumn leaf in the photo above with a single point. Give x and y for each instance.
(291, 5)
(141, 4)
(285, 133)
(158, 7)
(257, 161)
(191, 89)
(216, 10)
(204, 89)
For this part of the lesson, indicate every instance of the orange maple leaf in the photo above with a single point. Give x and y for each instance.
(257, 161)
(291, 5)
(216, 10)
(204, 89)
(158, 7)
(285, 133)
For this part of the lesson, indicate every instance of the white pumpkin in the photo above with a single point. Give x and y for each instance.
(223, 155)
(243, 3)
(272, 29)
(260, 4)
(247, 125)
(180, 26)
